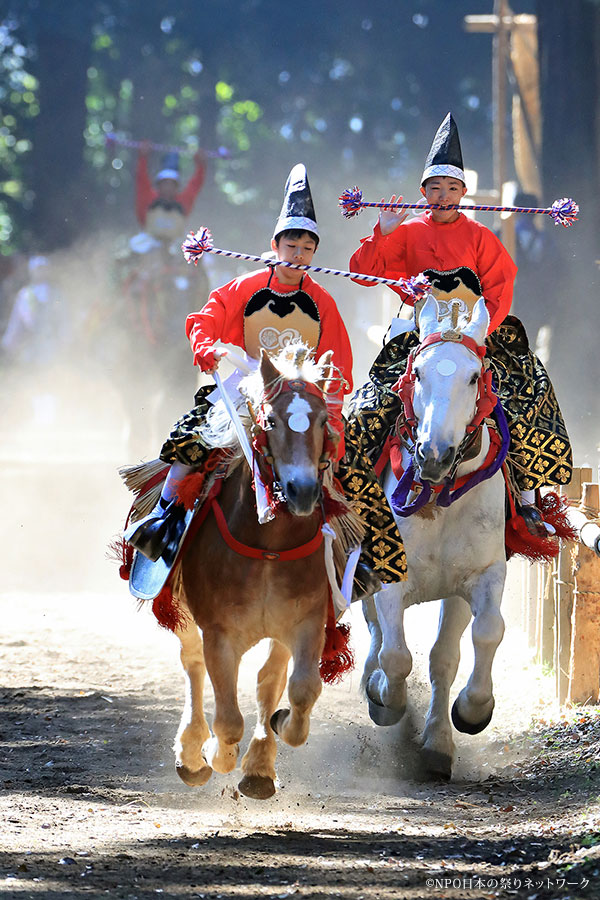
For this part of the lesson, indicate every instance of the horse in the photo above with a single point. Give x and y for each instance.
(241, 581)
(455, 550)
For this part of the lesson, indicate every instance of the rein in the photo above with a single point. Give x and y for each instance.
(257, 553)
(486, 405)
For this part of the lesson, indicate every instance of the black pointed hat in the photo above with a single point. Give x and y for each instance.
(445, 156)
(298, 210)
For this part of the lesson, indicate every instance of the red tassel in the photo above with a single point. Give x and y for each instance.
(121, 552)
(167, 611)
(190, 488)
(554, 510)
(331, 506)
(520, 542)
(337, 657)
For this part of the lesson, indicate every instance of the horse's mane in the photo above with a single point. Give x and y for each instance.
(293, 362)
(217, 429)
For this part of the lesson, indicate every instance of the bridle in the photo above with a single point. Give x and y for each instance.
(484, 406)
(261, 426)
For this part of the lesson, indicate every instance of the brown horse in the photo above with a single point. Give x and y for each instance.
(242, 581)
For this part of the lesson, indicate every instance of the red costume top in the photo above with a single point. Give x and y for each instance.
(258, 311)
(450, 254)
(145, 193)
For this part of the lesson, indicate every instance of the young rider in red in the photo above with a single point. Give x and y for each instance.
(463, 260)
(265, 310)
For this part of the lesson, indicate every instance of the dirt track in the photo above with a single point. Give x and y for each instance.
(90, 697)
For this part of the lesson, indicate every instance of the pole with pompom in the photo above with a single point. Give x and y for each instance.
(200, 242)
(563, 212)
(112, 138)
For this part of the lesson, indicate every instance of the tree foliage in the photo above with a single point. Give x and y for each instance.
(356, 90)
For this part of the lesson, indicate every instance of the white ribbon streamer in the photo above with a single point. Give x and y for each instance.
(265, 513)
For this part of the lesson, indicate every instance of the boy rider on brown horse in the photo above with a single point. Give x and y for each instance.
(264, 310)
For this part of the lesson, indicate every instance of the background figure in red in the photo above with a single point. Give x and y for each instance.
(154, 290)
(159, 207)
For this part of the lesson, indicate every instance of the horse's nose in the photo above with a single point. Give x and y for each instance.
(302, 494)
(433, 464)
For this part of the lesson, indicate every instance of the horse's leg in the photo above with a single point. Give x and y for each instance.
(193, 728)
(372, 660)
(258, 763)
(304, 685)
(438, 746)
(389, 662)
(222, 663)
(473, 708)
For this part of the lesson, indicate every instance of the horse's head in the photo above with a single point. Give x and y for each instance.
(291, 423)
(447, 370)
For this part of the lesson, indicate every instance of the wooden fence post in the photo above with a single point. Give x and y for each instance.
(563, 596)
(584, 663)
(545, 641)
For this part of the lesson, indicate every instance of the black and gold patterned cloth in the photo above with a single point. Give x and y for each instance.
(382, 549)
(184, 443)
(540, 451)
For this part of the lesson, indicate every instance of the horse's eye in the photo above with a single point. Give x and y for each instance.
(474, 378)
(271, 421)
(417, 374)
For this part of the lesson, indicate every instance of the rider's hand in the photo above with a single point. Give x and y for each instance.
(208, 358)
(389, 219)
(206, 361)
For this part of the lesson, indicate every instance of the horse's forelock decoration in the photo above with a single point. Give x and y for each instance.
(293, 371)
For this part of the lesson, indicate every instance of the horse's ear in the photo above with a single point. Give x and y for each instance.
(428, 317)
(479, 323)
(325, 365)
(268, 371)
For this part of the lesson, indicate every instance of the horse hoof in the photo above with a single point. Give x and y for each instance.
(258, 787)
(193, 779)
(437, 765)
(383, 715)
(277, 719)
(469, 727)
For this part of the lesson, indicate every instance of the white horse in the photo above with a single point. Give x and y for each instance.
(454, 553)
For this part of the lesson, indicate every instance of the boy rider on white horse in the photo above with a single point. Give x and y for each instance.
(463, 260)
(265, 310)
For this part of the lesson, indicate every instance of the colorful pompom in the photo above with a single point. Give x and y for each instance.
(564, 212)
(417, 286)
(351, 202)
(196, 243)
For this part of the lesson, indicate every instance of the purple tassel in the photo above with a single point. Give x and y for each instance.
(445, 498)
(398, 499)
(195, 244)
